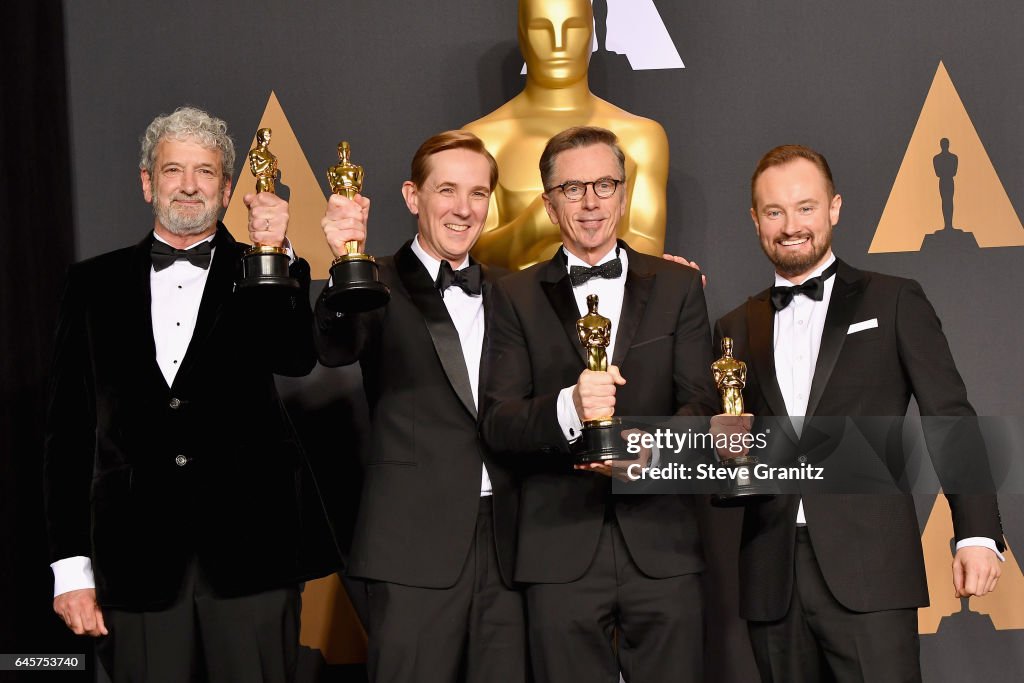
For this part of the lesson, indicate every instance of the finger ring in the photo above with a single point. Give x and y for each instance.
(268, 224)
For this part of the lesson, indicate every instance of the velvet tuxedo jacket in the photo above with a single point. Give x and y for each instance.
(421, 490)
(142, 477)
(663, 350)
(868, 546)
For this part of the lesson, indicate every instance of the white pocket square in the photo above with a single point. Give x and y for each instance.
(860, 327)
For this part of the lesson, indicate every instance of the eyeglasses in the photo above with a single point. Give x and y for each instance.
(575, 190)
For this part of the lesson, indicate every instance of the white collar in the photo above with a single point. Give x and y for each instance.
(573, 260)
(433, 265)
(191, 246)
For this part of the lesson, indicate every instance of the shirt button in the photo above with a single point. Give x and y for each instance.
(181, 461)
(174, 403)
(799, 322)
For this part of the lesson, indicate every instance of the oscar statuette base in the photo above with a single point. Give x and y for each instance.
(743, 490)
(262, 266)
(601, 441)
(355, 285)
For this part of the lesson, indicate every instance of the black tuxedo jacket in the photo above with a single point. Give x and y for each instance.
(141, 477)
(662, 349)
(868, 546)
(421, 491)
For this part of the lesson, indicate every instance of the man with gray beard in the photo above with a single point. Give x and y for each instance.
(178, 528)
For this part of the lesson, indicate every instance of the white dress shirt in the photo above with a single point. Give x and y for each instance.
(610, 292)
(797, 339)
(797, 334)
(467, 313)
(175, 295)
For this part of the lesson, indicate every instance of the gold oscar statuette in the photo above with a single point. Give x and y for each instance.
(262, 264)
(555, 39)
(355, 282)
(601, 440)
(730, 376)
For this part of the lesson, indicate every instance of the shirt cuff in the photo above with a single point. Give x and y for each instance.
(655, 457)
(287, 246)
(568, 420)
(980, 541)
(72, 574)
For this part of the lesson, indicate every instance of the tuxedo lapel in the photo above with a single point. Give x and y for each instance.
(845, 295)
(139, 314)
(760, 338)
(557, 288)
(487, 280)
(634, 303)
(439, 323)
(220, 284)
(761, 334)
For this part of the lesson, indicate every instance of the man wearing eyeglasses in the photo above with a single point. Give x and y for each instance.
(613, 582)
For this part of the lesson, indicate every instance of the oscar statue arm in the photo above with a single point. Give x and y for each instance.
(526, 239)
(645, 229)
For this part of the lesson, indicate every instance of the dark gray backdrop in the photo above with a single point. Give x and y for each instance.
(846, 78)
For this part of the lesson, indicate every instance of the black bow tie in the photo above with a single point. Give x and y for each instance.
(164, 255)
(467, 279)
(609, 270)
(812, 288)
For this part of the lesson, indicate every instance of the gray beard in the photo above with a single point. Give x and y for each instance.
(185, 225)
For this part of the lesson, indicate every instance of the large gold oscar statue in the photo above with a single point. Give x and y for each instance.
(555, 38)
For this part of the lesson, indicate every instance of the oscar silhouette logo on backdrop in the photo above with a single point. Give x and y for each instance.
(297, 184)
(1000, 610)
(947, 195)
(633, 28)
(329, 622)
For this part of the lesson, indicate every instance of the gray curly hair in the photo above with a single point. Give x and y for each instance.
(188, 123)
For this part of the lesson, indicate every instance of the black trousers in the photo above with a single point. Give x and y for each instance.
(204, 637)
(474, 631)
(616, 618)
(820, 640)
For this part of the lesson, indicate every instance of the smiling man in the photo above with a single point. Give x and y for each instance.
(555, 38)
(830, 584)
(172, 474)
(435, 531)
(598, 567)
